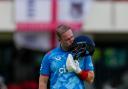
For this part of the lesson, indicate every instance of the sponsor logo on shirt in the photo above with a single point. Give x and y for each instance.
(62, 70)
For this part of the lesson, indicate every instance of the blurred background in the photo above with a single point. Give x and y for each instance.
(27, 32)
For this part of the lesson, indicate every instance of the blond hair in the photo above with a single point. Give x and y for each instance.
(61, 29)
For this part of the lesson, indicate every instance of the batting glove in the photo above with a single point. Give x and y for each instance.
(72, 65)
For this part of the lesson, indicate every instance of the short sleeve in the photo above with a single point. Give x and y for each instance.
(45, 66)
(88, 63)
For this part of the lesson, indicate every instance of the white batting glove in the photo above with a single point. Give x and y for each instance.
(72, 65)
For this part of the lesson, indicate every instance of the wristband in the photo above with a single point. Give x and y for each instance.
(83, 75)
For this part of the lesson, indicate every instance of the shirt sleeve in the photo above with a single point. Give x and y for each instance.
(45, 66)
(88, 63)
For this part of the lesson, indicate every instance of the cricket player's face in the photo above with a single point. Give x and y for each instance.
(67, 39)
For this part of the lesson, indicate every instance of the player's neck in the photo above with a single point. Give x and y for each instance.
(63, 48)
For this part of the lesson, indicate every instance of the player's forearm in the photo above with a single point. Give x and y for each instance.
(42, 86)
(43, 82)
(90, 77)
(90, 81)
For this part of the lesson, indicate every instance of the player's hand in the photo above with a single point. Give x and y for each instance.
(72, 65)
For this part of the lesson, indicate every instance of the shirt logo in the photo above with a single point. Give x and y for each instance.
(58, 58)
(62, 70)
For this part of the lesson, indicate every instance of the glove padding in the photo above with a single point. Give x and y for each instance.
(72, 65)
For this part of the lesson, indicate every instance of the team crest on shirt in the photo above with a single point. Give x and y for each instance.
(58, 58)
